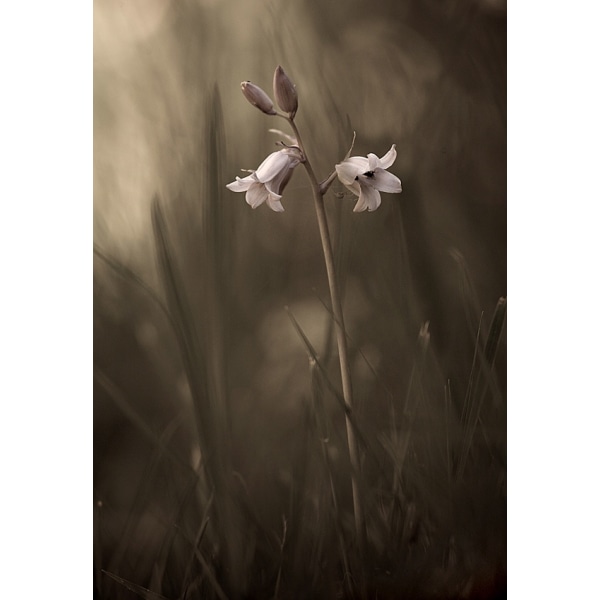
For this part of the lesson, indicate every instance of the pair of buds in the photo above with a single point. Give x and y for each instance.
(283, 89)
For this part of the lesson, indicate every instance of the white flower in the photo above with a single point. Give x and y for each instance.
(268, 181)
(366, 177)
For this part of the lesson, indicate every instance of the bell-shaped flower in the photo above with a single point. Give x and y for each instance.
(366, 177)
(267, 183)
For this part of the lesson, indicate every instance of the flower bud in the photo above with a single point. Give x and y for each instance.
(285, 92)
(258, 98)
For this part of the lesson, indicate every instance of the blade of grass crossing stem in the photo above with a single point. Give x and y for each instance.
(337, 395)
(371, 368)
(358, 577)
(373, 449)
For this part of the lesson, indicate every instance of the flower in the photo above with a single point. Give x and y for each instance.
(366, 177)
(258, 97)
(269, 180)
(285, 92)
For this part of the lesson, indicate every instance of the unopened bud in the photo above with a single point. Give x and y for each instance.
(285, 92)
(258, 98)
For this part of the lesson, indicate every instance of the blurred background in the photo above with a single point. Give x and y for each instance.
(171, 129)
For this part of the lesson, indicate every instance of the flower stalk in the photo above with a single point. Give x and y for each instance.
(365, 177)
(342, 343)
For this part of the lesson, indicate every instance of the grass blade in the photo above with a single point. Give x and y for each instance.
(135, 588)
(206, 385)
(131, 276)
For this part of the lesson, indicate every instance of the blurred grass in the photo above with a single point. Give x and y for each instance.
(220, 460)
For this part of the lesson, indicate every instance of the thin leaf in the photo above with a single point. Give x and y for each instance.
(131, 276)
(135, 588)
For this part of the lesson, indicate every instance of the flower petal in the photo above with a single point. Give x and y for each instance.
(387, 160)
(348, 170)
(241, 185)
(273, 201)
(360, 162)
(386, 182)
(369, 199)
(272, 166)
(277, 185)
(256, 195)
(354, 188)
(373, 161)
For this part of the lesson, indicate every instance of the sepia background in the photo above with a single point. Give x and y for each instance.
(217, 443)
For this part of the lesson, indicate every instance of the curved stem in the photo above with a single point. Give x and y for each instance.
(324, 185)
(342, 344)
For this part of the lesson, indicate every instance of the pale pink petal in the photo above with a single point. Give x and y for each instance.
(369, 199)
(373, 161)
(348, 170)
(360, 162)
(387, 160)
(281, 180)
(273, 201)
(272, 166)
(240, 185)
(256, 195)
(361, 205)
(354, 188)
(386, 182)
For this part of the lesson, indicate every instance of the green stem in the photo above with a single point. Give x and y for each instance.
(340, 336)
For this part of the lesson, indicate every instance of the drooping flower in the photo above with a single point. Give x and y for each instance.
(267, 183)
(366, 177)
